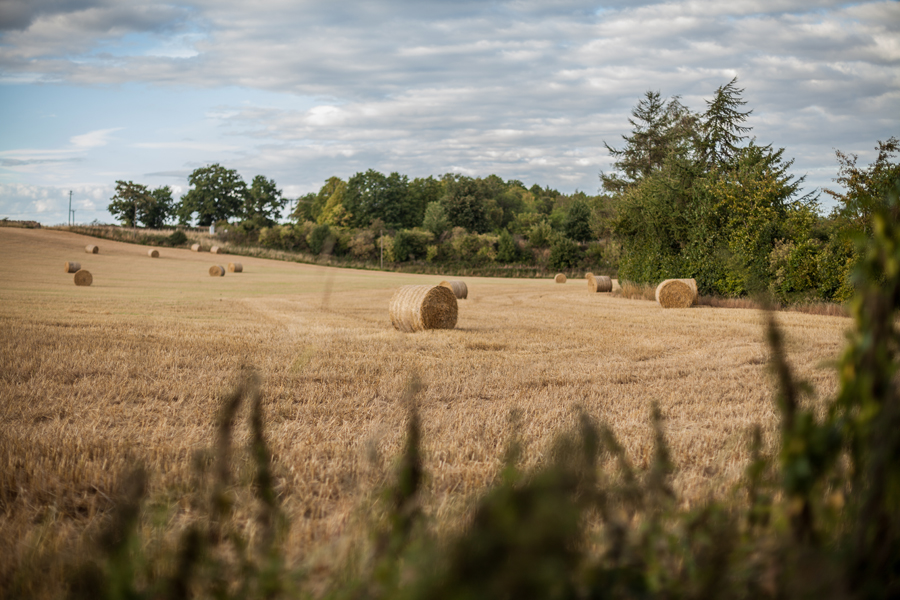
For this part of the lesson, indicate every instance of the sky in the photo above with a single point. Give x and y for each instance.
(95, 91)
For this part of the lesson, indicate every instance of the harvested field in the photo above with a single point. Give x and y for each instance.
(131, 370)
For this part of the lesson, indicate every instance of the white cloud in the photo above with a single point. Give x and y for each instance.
(93, 139)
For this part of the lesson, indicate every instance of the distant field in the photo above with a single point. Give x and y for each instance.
(131, 370)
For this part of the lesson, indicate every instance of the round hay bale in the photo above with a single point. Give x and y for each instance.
(83, 277)
(459, 288)
(215, 250)
(91, 249)
(153, 253)
(72, 267)
(195, 247)
(600, 283)
(588, 275)
(676, 293)
(420, 307)
(235, 267)
(217, 271)
(560, 278)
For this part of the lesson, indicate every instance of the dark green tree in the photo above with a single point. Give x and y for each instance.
(128, 197)
(466, 203)
(564, 254)
(721, 129)
(435, 219)
(216, 194)
(304, 208)
(577, 225)
(372, 195)
(507, 250)
(263, 202)
(156, 209)
(658, 128)
(866, 188)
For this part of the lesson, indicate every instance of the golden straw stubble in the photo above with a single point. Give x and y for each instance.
(153, 253)
(600, 283)
(676, 293)
(217, 271)
(459, 288)
(421, 307)
(235, 267)
(72, 267)
(560, 278)
(91, 249)
(83, 277)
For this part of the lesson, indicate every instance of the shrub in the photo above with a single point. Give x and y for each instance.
(320, 240)
(177, 238)
(564, 254)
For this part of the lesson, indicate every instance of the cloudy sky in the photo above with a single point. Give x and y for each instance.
(92, 91)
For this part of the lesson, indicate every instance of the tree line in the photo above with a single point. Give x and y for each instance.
(691, 194)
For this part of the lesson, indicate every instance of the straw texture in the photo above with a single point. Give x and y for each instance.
(83, 278)
(217, 271)
(91, 249)
(195, 247)
(235, 267)
(215, 250)
(459, 288)
(153, 253)
(560, 278)
(421, 307)
(676, 293)
(72, 267)
(600, 283)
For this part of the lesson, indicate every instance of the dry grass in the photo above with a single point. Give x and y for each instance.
(131, 369)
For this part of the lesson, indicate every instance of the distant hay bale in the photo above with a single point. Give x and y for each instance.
(215, 250)
(83, 277)
(91, 249)
(153, 253)
(560, 278)
(72, 267)
(420, 307)
(235, 267)
(459, 288)
(217, 271)
(600, 283)
(676, 293)
(195, 247)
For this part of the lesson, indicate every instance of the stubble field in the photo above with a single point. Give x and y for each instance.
(132, 369)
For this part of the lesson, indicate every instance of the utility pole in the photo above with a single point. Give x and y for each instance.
(70, 207)
(382, 249)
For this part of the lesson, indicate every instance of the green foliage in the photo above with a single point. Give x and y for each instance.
(263, 202)
(507, 249)
(135, 204)
(467, 203)
(541, 235)
(411, 244)
(565, 254)
(178, 238)
(216, 194)
(577, 224)
(435, 219)
(372, 195)
(320, 240)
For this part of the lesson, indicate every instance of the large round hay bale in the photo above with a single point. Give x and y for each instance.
(217, 271)
(153, 253)
(72, 267)
(215, 250)
(83, 277)
(421, 307)
(588, 275)
(459, 288)
(235, 267)
(195, 247)
(676, 293)
(560, 278)
(91, 249)
(600, 283)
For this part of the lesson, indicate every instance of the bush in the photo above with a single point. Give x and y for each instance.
(177, 238)
(564, 254)
(411, 244)
(507, 249)
(320, 240)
